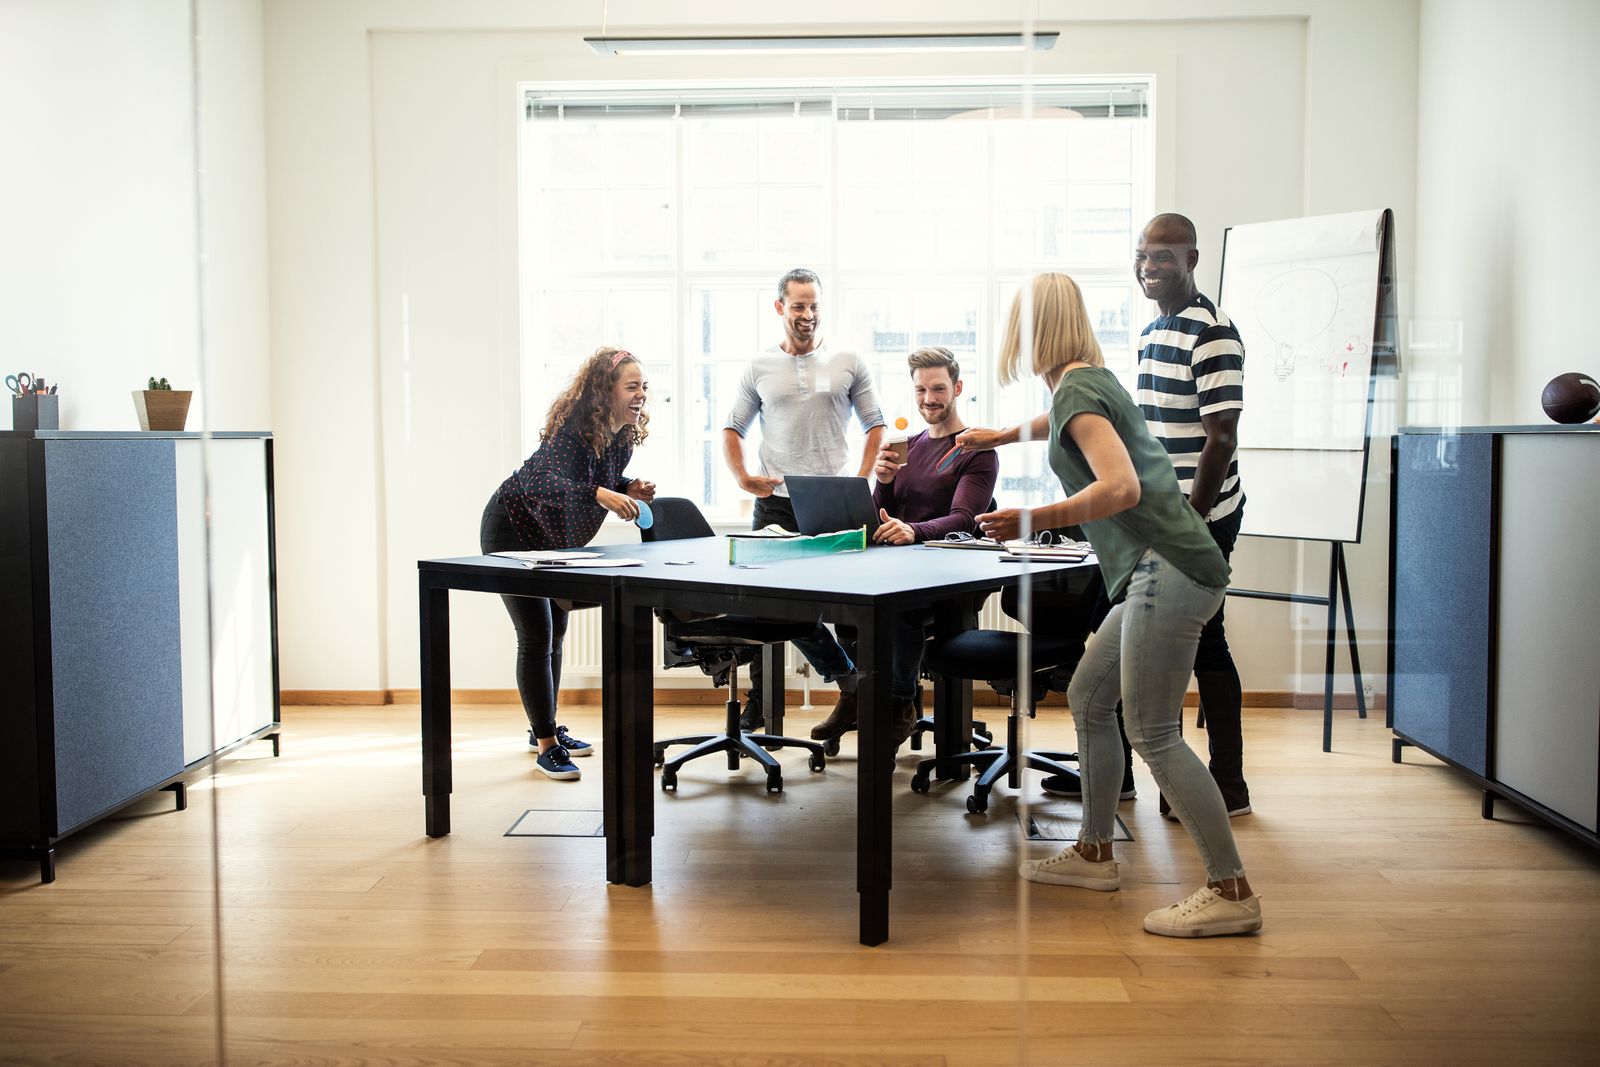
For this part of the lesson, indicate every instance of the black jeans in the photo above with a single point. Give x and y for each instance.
(1221, 695)
(821, 649)
(541, 628)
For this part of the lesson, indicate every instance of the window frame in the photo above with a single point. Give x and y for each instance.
(993, 282)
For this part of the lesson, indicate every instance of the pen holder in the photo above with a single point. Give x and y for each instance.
(36, 411)
(162, 409)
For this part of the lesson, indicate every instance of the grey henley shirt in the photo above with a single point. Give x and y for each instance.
(803, 403)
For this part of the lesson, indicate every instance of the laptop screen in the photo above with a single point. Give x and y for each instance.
(827, 505)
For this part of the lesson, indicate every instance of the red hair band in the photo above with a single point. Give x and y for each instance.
(622, 354)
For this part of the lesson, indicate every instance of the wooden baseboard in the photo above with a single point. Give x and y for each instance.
(335, 697)
(982, 697)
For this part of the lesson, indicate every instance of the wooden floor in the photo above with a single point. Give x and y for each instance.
(1400, 926)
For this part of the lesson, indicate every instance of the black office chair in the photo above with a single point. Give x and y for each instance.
(718, 644)
(991, 656)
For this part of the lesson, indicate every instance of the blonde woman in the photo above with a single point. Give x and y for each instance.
(557, 499)
(1165, 576)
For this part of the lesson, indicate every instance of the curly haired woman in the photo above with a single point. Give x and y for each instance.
(557, 499)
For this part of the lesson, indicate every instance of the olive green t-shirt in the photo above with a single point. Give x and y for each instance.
(1162, 520)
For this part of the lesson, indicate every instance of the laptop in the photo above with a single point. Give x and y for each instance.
(828, 505)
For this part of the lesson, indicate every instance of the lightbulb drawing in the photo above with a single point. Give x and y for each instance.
(1294, 308)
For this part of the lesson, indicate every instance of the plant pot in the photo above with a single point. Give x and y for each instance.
(162, 409)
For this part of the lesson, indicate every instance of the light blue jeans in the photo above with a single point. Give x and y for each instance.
(1143, 654)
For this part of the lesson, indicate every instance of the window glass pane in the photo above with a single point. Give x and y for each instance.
(722, 225)
(638, 153)
(639, 226)
(565, 231)
(793, 228)
(714, 386)
(565, 154)
(720, 152)
(730, 323)
(1100, 151)
(1100, 223)
(1110, 311)
(1030, 151)
(876, 227)
(568, 323)
(875, 152)
(1031, 223)
(639, 320)
(948, 151)
(949, 226)
(793, 150)
(657, 459)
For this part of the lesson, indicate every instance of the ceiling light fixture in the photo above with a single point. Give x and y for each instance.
(854, 43)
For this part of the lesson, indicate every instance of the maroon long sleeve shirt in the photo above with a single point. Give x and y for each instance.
(936, 502)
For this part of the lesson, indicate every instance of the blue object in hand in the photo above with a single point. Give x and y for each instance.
(645, 519)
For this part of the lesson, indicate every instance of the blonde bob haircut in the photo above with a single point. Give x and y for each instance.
(1061, 330)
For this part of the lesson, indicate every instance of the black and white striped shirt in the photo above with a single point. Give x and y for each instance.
(1192, 364)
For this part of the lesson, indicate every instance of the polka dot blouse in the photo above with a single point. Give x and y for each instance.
(550, 498)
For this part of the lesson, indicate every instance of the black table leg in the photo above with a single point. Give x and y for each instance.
(874, 771)
(772, 687)
(628, 703)
(435, 636)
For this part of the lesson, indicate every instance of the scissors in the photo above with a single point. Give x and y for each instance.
(20, 383)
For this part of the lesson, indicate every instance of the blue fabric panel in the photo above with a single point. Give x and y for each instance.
(1444, 500)
(114, 632)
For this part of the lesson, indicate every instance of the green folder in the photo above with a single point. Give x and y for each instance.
(776, 550)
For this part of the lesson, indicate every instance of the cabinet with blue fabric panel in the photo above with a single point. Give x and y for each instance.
(120, 598)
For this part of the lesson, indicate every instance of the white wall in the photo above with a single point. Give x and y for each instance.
(99, 283)
(391, 146)
(1509, 154)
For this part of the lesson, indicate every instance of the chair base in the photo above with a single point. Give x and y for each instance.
(737, 744)
(1009, 761)
(995, 762)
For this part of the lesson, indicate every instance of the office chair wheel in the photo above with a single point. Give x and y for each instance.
(775, 783)
(977, 806)
(669, 781)
(919, 783)
(661, 755)
(831, 746)
(816, 763)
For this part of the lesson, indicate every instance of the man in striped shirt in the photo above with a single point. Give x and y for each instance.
(1191, 390)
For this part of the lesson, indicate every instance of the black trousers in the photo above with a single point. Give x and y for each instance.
(541, 628)
(1221, 696)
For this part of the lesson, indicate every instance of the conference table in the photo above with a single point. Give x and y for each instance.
(864, 589)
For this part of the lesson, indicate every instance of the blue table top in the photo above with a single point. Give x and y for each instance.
(878, 572)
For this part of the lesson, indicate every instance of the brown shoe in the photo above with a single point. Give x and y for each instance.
(905, 719)
(839, 720)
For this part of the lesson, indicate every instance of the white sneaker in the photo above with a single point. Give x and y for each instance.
(1206, 913)
(1068, 867)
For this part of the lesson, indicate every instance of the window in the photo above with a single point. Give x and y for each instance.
(661, 221)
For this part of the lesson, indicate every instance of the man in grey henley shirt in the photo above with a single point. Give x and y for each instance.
(802, 391)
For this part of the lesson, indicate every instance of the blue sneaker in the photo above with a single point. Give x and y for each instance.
(555, 763)
(573, 746)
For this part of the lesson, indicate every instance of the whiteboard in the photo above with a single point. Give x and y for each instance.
(1304, 294)
(1308, 495)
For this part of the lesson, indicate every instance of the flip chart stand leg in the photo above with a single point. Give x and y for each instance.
(1339, 584)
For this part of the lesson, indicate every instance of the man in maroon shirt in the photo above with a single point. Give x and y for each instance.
(919, 500)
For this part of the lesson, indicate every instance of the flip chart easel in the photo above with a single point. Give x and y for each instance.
(1313, 300)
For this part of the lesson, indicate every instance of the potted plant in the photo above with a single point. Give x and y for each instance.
(161, 407)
